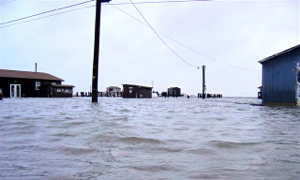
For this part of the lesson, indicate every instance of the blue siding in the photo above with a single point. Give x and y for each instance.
(279, 79)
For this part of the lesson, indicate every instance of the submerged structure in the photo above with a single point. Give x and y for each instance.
(281, 78)
(174, 91)
(136, 91)
(113, 89)
(32, 84)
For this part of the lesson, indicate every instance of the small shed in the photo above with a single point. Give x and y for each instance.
(174, 91)
(136, 91)
(58, 90)
(281, 78)
(113, 89)
(32, 84)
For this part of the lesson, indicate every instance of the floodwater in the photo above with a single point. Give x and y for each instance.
(158, 138)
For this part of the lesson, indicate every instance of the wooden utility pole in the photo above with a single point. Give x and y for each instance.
(96, 51)
(203, 83)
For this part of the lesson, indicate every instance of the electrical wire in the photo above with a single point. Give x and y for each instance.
(238, 67)
(57, 9)
(161, 38)
(6, 2)
(48, 16)
(158, 2)
(62, 8)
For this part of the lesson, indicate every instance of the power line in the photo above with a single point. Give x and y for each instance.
(6, 2)
(62, 8)
(186, 45)
(159, 2)
(47, 16)
(160, 37)
(57, 9)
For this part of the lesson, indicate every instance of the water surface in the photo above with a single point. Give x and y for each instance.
(158, 138)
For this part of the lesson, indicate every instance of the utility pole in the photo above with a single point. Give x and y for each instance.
(96, 51)
(203, 83)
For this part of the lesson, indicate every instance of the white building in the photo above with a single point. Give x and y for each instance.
(113, 89)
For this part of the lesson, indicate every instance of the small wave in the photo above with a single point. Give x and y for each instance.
(68, 117)
(228, 144)
(167, 150)
(76, 150)
(127, 140)
(64, 135)
(138, 140)
(75, 123)
(201, 151)
(8, 117)
(124, 110)
(151, 168)
(122, 118)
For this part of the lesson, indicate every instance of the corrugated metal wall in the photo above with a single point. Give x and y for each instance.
(279, 79)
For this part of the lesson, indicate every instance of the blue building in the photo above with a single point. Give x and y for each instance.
(281, 78)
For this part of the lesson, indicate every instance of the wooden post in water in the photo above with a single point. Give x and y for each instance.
(96, 51)
(203, 83)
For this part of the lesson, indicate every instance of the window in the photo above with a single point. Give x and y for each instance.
(58, 90)
(130, 91)
(53, 83)
(67, 90)
(37, 85)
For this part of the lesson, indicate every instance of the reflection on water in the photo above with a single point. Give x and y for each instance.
(157, 138)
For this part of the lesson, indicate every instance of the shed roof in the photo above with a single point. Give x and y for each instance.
(62, 86)
(5, 73)
(136, 85)
(116, 87)
(278, 54)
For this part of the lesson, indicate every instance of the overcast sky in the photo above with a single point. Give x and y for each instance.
(223, 35)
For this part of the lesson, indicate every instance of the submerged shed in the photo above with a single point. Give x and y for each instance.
(174, 91)
(281, 78)
(136, 91)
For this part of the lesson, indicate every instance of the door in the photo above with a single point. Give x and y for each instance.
(15, 90)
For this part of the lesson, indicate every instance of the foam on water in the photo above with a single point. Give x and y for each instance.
(159, 138)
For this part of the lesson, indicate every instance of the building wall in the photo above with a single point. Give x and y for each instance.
(298, 79)
(174, 91)
(279, 79)
(61, 92)
(145, 93)
(131, 91)
(28, 87)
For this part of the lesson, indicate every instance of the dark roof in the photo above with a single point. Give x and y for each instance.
(278, 54)
(62, 86)
(114, 87)
(136, 85)
(4, 73)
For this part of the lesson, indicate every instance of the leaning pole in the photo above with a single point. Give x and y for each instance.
(96, 51)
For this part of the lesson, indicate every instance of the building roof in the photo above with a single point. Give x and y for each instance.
(136, 85)
(62, 86)
(116, 87)
(4, 73)
(278, 54)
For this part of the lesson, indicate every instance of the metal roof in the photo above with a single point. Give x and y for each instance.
(5, 73)
(136, 85)
(278, 54)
